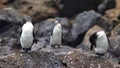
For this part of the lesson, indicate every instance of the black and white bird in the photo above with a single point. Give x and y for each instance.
(99, 42)
(56, 36)
(27, 37)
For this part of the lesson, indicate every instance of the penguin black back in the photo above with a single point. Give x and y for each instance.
(92, 40)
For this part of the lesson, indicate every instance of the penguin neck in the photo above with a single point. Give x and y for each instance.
(28, 22)
(57, 23)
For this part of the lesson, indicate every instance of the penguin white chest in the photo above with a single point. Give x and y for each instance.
(26, 38)
(56, 36)
(101, 44)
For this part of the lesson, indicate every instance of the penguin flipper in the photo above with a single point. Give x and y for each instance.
(92, 40)
(109, 43)
(62, 38)
(91, 48)
(18, 35)
(35, 40)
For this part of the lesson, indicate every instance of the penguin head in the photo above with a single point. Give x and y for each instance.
(57, 20)
(27, 19)
(100, 34)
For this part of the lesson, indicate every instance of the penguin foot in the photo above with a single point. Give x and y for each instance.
(56, 46)
(59, 46)
(23, 51)
(53, 46)
(26, 50)
(99, 55)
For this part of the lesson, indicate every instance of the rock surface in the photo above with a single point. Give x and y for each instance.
(48, 59)
(9, 17)
(70, 8)
(42, 9)
(115, 46)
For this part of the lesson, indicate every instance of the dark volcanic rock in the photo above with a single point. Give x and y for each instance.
(105, 25)
(66, 28)
(44, 31)
(117, 30)
(115, 46)
(105, 5)
(70, 8)
(31, 60)
(42, 9)
(78, 59)
(38, 9)
(54, 58)
(83, 22)
(9, 18)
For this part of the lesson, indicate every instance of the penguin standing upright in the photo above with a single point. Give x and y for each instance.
(99, 42)
(56, 36)
(27, 37)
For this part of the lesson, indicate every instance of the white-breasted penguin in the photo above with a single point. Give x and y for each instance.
(56, 36)
(99, 42)
(27, 37)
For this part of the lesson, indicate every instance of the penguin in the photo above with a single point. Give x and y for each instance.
(56, 35)
(27, 35)
(99, 43)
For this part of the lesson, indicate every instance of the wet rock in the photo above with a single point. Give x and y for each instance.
(83, 22)
(9, 18)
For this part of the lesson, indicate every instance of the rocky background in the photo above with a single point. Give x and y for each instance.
(80, 18)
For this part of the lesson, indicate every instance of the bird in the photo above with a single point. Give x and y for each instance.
(56, 35)
(27, 35)
(99, 43)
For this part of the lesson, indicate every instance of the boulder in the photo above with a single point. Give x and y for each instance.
(115, 46)
(9, 17)
(83, 22)
(105, 5)
(44, 31)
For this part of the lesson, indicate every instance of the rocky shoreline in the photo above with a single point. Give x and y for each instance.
(76, 28)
